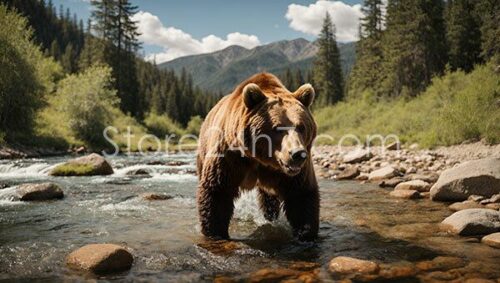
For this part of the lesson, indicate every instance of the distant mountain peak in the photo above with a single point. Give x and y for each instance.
(224, 69)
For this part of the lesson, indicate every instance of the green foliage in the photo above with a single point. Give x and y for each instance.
(328, 79)
(454, 108)
(72, 170)
(162, 125)
(194, 125)
(414, 46)
(463, 34)
(25, 75)
(84, 103)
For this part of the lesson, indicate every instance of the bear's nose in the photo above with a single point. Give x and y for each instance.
(299, 155)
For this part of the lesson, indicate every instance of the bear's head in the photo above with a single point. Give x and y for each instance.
(279, 127)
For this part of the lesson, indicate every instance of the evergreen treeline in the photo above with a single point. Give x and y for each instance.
(401, 52)
(112, 41)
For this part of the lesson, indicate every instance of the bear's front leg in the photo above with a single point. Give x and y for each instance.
(217, 190)
(302, 211)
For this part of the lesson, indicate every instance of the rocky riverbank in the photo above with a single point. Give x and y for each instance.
(464, 177)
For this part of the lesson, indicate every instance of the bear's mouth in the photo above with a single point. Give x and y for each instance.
(291, 170)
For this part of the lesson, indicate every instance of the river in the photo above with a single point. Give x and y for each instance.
(357, 220)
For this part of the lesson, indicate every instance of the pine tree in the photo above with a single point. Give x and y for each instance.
(488, 11)
(327, 71)
(414, 45)
(367, 71)
(463, 34)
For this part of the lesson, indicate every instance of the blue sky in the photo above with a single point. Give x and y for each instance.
(177, 28)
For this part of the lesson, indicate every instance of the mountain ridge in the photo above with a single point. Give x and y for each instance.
(222, 70)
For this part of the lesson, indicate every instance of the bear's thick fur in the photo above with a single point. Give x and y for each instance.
(259, 136)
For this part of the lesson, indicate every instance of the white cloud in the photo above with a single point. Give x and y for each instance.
(309, 19)
(177, 43)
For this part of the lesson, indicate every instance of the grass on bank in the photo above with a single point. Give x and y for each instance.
(456, 107)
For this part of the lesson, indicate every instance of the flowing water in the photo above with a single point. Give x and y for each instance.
(357, 220)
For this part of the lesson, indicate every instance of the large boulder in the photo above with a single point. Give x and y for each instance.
(475, 221)
(357, 155)
(477, 177)
(89, 165)
(100, 258)
(383, 173)
(38, 192)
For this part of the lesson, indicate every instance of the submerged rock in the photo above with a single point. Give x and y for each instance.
(154, 196)
(347, 265)
(89, 165)
(467, 204)
(406, 194)
(492, 240)
(38, 192)
(357, 155)
(138, 172)
(100, 258)
(475, 221)
(417, 185)
(441, 263)
(391, 183)
(348, 173)
(478, 177)
(383, 173)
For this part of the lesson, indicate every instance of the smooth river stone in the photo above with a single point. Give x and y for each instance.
(476, 221)
(492, 240)
(347, 265)
(100, 258)
(38, 192)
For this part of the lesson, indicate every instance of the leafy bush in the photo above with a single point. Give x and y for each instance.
(84, 104)
(194, 125)
(25, 76)
(162, 125)
(454, 108)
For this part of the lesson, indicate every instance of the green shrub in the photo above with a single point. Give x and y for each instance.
(454, 108)
(25, 76)
(194, 125)
(84, 105)
(162, 125)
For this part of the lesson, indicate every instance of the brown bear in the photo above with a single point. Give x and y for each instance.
(259, 136)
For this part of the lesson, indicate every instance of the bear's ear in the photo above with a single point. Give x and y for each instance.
(305, 94)
(252, 95)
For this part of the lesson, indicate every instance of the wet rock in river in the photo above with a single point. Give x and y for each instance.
(440, 263)
(492, 240)
(357, 155)
(89, 165)
(475, 221)
(494, 206)
(139, 172)
(39, 192)
(492, 199)
(391, 183)
(417, 185)
(100, 258)
(154, 196)
(383, 173)
(284, 274)
(478, 177)
(342, 265)
(348, 173)
(467, 204)
(405, 194)
(397, 271)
